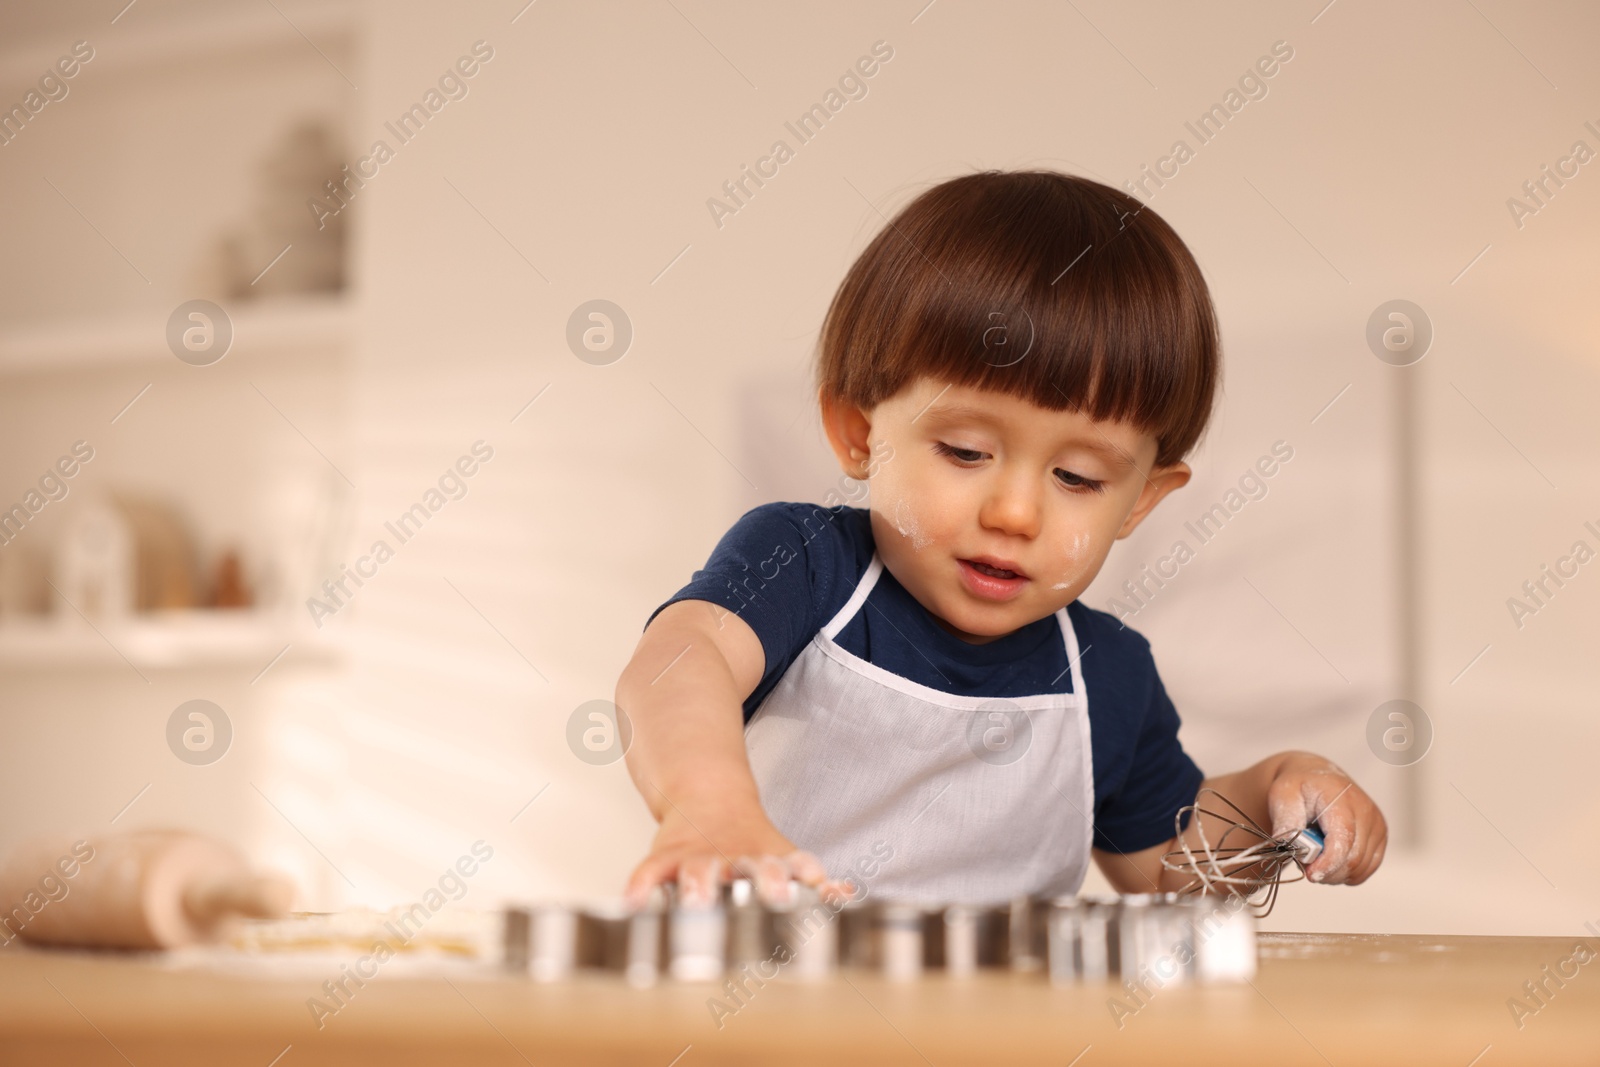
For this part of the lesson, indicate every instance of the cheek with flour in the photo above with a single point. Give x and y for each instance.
(1076, 560)
(907, 524)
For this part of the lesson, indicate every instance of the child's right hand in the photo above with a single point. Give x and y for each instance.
(702, 857)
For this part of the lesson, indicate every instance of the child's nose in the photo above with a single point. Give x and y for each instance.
(1012, 506)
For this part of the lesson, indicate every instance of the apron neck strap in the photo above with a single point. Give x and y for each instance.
(857, 598)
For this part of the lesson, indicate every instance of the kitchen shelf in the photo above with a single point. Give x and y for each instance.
(187, 35)
(276, 324)
(159, 640)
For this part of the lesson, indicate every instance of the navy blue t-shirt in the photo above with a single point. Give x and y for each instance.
(787, 569)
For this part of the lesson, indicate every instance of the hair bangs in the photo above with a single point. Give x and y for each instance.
(1053, 289)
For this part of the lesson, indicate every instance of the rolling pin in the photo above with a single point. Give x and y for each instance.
(141, 889)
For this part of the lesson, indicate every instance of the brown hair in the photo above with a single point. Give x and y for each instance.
(1104, 298)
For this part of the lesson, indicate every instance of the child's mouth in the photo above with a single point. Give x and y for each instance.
(990, 582)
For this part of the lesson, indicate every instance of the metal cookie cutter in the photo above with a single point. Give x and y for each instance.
(1097, 941)
(1156, 939)
(615, 938)
(969, 937)
(517, 938)
(1064, 926)
(1097, 938)
(1026, 932)
(753, 939)
(808, 930)
(541, 940)
(888, 936)
(697, 938)
(1225, 937)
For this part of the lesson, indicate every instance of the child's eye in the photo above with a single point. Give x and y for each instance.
(1076, 482)
(963, 455)
(1079, 483)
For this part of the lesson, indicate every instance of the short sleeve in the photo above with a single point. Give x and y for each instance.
(1161, 779)
(778, 568)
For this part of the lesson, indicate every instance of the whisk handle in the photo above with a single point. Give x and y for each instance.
(1307, 844)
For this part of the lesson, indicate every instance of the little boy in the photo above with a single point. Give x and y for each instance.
(1017, 365)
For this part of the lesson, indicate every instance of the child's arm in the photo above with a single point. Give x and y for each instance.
(683, 692)
(1284, 792)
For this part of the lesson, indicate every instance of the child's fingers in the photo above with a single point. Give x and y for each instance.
(699, 879)
(1375, 843)
(770, 875)
(645, 877)
(773, 874)
(1338, 845)
(1286, 806)
(805, 868)
(1377, 856)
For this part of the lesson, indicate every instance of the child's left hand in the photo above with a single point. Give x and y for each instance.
(1310, 789)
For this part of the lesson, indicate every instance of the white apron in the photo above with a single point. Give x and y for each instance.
(982, 799)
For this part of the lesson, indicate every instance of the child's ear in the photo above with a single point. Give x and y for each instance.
(849, 432)
(1160, 482)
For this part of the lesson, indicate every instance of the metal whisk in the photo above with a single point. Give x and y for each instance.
(1255, 859)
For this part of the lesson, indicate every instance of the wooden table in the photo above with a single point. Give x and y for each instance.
(1318, 999)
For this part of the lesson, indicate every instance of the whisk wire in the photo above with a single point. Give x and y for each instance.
(1221, 867)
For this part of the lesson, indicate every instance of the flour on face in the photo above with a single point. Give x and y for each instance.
(907, 525)
(1080, 544)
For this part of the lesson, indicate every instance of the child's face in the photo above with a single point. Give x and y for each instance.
(962, 476)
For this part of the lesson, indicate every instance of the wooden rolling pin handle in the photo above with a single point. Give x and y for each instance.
(209, 900)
